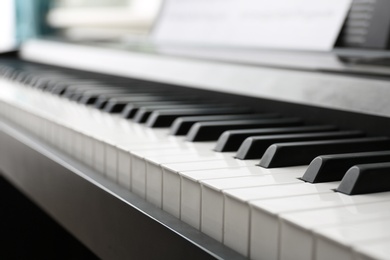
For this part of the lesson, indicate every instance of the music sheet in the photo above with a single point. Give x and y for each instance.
(281, 24)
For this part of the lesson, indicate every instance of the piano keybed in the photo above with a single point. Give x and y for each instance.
(261, 211)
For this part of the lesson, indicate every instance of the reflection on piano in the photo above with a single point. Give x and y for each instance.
(138, 168)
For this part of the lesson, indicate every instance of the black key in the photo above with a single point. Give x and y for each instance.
(62, 89)
(301, 153)
(21, 75)
(44, 81)
(326, 168)
(165, 118)
(79, 94)
(102, 100)
(366, 178)
(143, 113)
(182, 125)
(132, 108)
(90, 96)
(51, 83)
(230, 141)
(71, 91)
(209, 131)
(116, 105)
(254, 147)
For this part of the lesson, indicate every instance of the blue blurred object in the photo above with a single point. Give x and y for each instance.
(31, 19)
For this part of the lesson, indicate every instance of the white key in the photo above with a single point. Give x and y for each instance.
(172, 178)
(213, 199)
(111, 162)
(191, 188)
(265, 221)
(378, 249)
(154, 170)
(165, 151)
(139, 165)
(237, 211)
(301, 224)
(338, 242)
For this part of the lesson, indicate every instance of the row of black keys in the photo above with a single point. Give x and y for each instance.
(277, 141)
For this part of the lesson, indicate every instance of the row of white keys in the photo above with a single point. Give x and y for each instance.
(172, 172)
(237, 215)
(143, 169)
(268, 231)
(164, 180)
(164, 174)
(171, 203)
(212, 217)
(190, 193)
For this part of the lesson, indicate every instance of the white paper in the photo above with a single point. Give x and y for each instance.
(7, 25)
(281, 24)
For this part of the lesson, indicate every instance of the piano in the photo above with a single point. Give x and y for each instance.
(162, 153)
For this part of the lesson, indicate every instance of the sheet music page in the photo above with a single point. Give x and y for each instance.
(7, 26)
(281, 24)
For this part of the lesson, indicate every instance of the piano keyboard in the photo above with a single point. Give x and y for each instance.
(237, 175)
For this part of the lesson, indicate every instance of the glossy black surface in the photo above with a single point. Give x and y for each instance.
(366, 178)
(333, 167)
(209, 131)
(231, 140)
(254, 147)
(301, 153)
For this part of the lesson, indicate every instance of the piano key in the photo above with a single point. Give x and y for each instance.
(131, 109)
(190, 189)
(44, 81)
(209, 131)
(60, 86)
(182, 125)
(254, 147)
(143, 113)
(91, 97)
(165, 118)
(212, 209)
(230, 141)
(143, 166)
(236, 223)
(301, 153)
(79, 133)
(116, 105)
(78, 93)
(172, 178)
(265, 221)
(102, 100)
(377, 249)
(333, 167)
(366, 178)
(148, 165)
(94, 90)
(60, 89)
(75, 87)
(338, 242)
(299, 225)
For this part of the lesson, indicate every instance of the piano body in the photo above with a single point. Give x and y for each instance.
(198, 154)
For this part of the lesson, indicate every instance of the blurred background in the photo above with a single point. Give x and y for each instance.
(75, 19)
